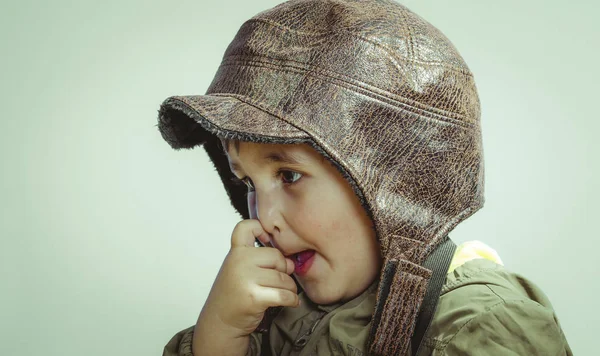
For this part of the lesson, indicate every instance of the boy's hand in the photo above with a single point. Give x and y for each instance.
(250, 280)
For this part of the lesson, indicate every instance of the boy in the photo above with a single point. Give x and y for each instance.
(347, 135)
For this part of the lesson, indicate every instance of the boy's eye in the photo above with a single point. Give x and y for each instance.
(290, 177)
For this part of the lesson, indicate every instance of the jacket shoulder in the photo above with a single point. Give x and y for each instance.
(485, 309)
(181, 344)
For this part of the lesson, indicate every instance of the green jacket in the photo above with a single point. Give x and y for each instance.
(484, 309)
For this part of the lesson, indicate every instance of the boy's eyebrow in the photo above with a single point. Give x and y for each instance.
(282, 157)
(275, 157)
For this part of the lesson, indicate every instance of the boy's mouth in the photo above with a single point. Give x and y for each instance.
(302, 261)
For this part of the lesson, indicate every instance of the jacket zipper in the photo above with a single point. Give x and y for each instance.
(302, 341)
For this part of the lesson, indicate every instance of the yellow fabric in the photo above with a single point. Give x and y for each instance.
(471, 250)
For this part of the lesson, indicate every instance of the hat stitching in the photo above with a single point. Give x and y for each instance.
(365, 91)
(373, 41)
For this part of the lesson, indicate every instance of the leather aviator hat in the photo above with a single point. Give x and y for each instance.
(385, 97)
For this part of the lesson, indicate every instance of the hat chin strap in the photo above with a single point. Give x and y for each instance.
(399, 297)
(406, 300)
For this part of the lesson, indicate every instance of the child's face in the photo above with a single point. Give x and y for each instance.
(308, 205)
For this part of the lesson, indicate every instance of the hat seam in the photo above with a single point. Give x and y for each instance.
(388, 50)
(409, 42)
(365, 91)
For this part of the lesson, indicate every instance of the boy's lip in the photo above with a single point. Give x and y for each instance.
(301, 268)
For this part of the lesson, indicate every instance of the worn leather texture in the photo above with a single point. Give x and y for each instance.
(380, 92)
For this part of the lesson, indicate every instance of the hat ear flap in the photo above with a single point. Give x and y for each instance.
(237, 192)
(178, 127)
(401, 292)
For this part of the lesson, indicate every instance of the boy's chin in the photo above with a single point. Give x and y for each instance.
(321, 297)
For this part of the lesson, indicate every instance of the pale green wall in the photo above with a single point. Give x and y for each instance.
(104, 228)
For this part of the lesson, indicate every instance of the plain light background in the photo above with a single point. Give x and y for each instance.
(110, 240)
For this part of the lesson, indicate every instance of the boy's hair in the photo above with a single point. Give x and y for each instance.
(227, 142)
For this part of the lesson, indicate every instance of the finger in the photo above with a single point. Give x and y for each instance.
(274, 297)
(246, 231)
(275, 279)
(265, 239)
(270, 257)
(290, 266)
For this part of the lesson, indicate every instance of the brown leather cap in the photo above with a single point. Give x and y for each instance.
(382, 94)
